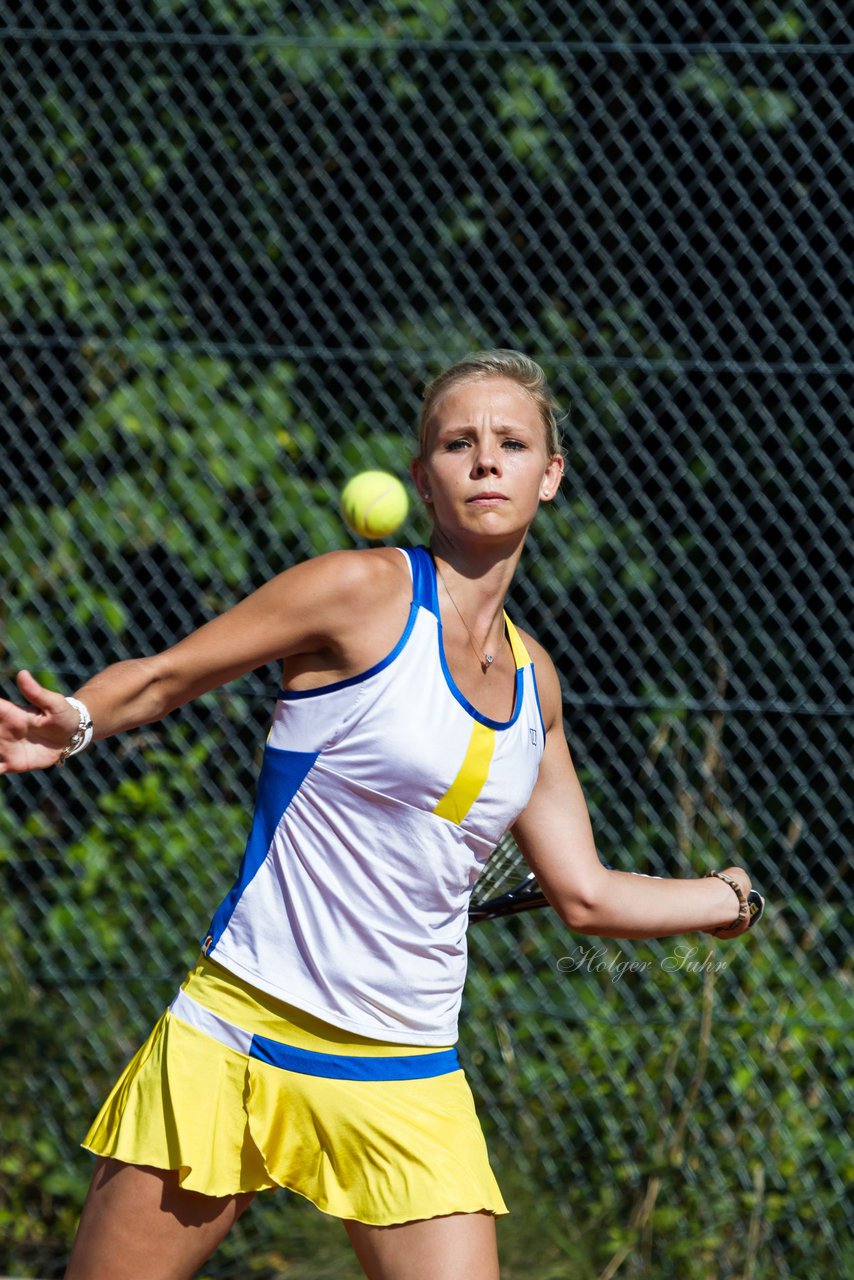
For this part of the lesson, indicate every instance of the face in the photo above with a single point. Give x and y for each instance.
(486, 468)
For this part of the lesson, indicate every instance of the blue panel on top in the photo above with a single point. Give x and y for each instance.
(282, 774)
(423, 578)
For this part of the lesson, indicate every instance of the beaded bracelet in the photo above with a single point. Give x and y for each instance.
(82, 735)
(743, 905)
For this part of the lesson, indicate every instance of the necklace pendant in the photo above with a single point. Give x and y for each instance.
(488, 660)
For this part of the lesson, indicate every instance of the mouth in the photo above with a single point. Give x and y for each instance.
(487, 496)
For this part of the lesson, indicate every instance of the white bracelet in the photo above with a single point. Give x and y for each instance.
(82, 735)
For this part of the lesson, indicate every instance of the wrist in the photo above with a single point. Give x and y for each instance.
(82, 734)
(743, 908)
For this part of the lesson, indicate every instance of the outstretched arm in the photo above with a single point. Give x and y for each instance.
(555, 837)
(308, 609)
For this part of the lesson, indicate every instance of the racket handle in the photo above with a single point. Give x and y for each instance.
(523, 897)
(755, 907)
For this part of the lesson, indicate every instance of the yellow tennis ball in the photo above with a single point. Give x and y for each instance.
(374, 504)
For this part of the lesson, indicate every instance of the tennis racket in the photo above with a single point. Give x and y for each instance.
(507, 887)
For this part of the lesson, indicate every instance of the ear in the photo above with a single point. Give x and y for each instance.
(420, 479)
(551, 478)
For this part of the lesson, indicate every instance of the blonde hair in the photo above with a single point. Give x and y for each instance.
(498, 363)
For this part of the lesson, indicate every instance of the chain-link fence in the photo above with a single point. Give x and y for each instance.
(236, 239)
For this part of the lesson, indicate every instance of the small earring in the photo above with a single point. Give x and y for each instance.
(427, 495)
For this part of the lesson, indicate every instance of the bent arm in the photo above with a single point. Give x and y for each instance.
(555, 837)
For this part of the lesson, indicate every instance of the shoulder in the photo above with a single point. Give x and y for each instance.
(357, 573)
(346, 596)
(364, 564)
(548, 681)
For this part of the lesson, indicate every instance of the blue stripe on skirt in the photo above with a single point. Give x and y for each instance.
(337, 1066)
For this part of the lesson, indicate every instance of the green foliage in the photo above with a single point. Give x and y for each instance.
(157, 460)
(70, 921)
(533, 112)
(59, 268)
(752, 107)
(788, 25)
(588, 1074)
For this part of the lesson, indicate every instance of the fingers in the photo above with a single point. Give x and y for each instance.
(751, 904)
(33, 736)
(24, 757)
(739, 874)
(755, 909)
(37, 695)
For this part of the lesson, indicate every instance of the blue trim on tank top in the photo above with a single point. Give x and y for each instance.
(423, 578)
(295, 695)
(427, 570)
(518, 694)
(537, 700)
(424, 595)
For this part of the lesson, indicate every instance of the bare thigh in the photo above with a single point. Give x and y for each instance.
(138, 1224)
(461, 1246)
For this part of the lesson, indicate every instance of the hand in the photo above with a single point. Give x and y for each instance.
(743, 879)
(33, 737)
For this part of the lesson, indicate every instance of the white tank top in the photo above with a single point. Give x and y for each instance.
(379, 801)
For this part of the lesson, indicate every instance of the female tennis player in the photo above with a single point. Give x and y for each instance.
(312, 1047)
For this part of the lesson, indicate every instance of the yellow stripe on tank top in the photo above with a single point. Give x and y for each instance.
(474, 770)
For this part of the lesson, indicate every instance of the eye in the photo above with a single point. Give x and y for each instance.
(455, 445)
(515, 444)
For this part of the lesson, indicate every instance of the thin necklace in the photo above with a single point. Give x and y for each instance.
(485, 659)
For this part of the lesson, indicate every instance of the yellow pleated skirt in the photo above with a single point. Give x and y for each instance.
(240, 1092)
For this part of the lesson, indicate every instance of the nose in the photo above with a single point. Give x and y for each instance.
(487, 458)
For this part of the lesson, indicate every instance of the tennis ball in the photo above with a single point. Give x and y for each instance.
(374, 504)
